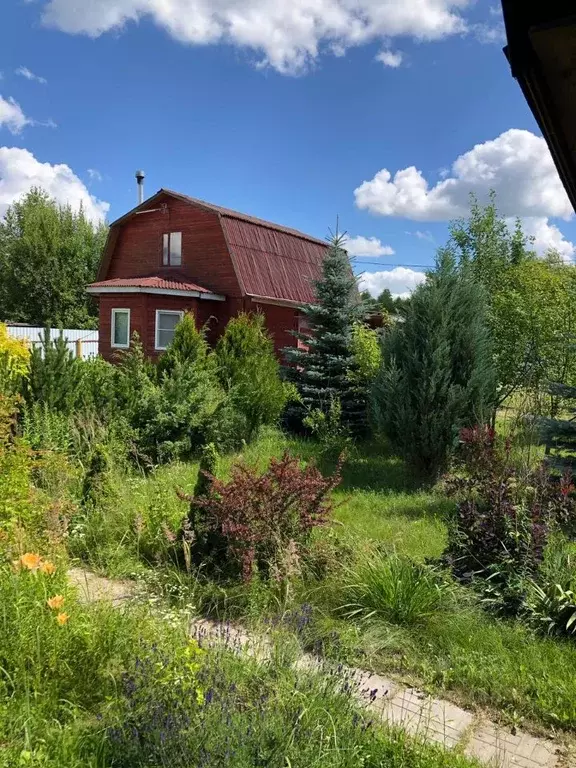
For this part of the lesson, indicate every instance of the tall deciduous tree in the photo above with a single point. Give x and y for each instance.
(321, 368)
(437, 374)
(530, 300)
(48, 254)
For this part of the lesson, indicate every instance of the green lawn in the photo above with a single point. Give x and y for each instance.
(461, 650)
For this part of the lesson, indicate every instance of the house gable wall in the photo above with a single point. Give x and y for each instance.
(205, 256)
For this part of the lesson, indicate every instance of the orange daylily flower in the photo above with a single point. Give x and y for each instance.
(62, 618)
(48, 568)
(55, 602)
(31, 560)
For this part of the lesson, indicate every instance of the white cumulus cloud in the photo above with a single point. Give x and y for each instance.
(367, 246)
(286, 35)
(400, 281)
(547, 237)
(517, 165)
(29, 75)
(390, 58)
(94, 174)
(20, 170)
(12, 116)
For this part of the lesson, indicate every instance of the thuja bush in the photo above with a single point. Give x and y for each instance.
(503, 517)
(264, 521)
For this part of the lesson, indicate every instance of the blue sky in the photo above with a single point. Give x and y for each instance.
(385, 115)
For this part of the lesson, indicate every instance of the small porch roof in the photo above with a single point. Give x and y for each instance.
(167, 285)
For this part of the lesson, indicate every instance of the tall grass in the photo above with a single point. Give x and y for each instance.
(392, 588)
(97, 687)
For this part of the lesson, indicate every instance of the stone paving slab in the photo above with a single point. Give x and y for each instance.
(91, 587)
(499, 747)
(419, 714)
(432, 719)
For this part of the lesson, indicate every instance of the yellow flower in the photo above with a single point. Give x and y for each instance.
(48, 568)
(62, 618)
(31, 560)
(55, 602)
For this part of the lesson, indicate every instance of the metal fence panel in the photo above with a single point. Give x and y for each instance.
(78, 341)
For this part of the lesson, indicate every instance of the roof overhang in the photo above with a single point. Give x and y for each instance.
(275, 302)
(542, 54)
(123, 289)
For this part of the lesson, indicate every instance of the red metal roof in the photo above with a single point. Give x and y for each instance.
(173, 282)
(272, 261)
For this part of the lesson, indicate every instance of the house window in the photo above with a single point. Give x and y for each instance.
(166, 323)
(121, 328)
(172, 249)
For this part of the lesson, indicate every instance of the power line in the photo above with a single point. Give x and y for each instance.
(391, 264)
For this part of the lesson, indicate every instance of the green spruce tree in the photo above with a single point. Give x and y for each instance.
(322, 369)
(437, 374)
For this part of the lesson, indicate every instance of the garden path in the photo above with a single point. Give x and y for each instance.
(417, 712)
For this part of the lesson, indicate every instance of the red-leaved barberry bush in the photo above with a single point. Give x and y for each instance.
(252, 519)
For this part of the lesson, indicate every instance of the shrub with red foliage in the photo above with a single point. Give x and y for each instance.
(255, 518)
(503, 517)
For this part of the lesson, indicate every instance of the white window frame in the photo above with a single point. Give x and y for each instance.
(180, 314)
(125, 310)
(167, 249)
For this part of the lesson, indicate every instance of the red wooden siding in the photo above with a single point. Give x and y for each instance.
(223, 251)
(212, 314)
(205, 256)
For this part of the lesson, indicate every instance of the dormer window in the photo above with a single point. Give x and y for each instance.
(172, 249)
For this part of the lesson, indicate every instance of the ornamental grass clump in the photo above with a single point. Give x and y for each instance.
(393, 589)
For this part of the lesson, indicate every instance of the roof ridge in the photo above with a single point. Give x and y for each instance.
(231, 213)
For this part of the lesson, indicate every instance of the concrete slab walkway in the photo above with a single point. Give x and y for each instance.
(418, 713)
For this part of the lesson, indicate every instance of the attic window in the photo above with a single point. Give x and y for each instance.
(172, 249)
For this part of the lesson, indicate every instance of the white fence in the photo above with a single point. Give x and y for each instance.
(82, 343)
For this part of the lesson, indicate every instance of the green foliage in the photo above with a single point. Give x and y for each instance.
(48, 254)
(207, 469)
(385, 303)
(551, 609)
(188, 346)
(394, 589)
(437, 374)
(232, 712)
(323, 368)
(367, 354)
(326, 426)
(174, 418)
(530, 300)
(45, 429)
(14, 362)
(54, 375)
(95, 485)
(250, 373)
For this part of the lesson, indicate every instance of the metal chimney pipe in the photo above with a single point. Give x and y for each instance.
(140, 181)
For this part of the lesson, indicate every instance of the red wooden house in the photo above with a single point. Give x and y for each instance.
(173, 254)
